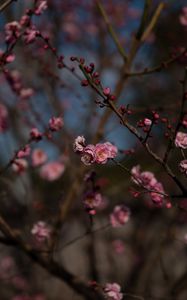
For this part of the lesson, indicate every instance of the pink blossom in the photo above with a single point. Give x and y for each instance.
(79, 144)
(88, 155)
(113, 150)
(56, 123)
(183, 166)
(181, 140)
(30, 35)
(119, 216)
(183, 16)
(24, 20)
(147, 122)
(26, 93)
(41, 7)
(38, 157)
(112, 291)
(10, 58)
(92, 201)
(106, 91)
(52, 170)
(12, 31)
(24, 152)
(102, 153)
(19, 165)
(35, 134)
(41, 231)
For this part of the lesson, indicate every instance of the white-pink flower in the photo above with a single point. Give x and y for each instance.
(112, 291)
(88, 155)
(79, 144)
(19, 165)
(26, 93)
(183, 16)
(52, 170)
(41, 7)
(56, 123)
(102, 153)
(38, 157)
(120, 216)
(113, 150)
(35, 134)
(24, 152)
(181, 140)
(183, 166)
(12, 31)
(147, 122)
(41, 231)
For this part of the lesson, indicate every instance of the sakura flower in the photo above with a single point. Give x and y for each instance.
(38, 157)
(52, 170)
(119, 216)
(30, 35)
(19, 165)
(183, 166)
(102, 153)
(92, 201)
(41, 231)
(24, 152)
(41, 7)
(112, 291)
(113, 150)
(88, 155)
(12, 31)
(106, 91)
(56, 123)
(183, 16)
(181, 140)
(35, 134)
(147, 122)
(79, 144)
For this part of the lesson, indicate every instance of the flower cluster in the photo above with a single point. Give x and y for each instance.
(120, 216)
(112, 291)
(98, 153)
(148, 181)
(92, 200)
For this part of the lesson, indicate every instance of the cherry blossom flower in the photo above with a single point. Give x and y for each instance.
(147, 122)
(41, 231)
(92, 201)
(12, 31)
(102, 153)
(30, 35)
(113, 150)
(56, 123)
(112, 291)
(19, 165)
(35, 134)
(38, 157)
(79, 144)
(183, 16)
(52, 170)
(41, 7)
(120, 216)
(24, 152)
(181, 140)
(183, 166)
(88, 155)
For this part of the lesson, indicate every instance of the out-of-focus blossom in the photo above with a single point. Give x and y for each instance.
(26, 93)
(24, 152)
(35, 134)
(56, 123)
(42, 5)
(181, 140)
(12, 31)
(118, 246)
(183, 16)
(183, 166)
(38, 157)
(120, 216)
(79, 144)
(147, 122)
(19, 165)
(52, 170)
(112, 291)
(30, 35)
(41, 231)
(92, 201)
